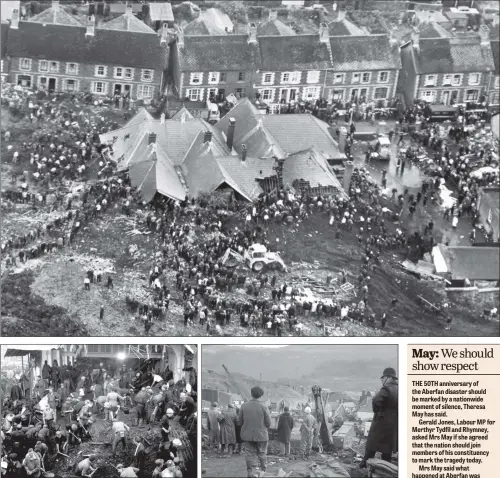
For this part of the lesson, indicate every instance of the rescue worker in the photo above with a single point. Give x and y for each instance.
(307, 430)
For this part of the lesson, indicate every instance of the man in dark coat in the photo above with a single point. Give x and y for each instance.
(383, 435)
(285, 427)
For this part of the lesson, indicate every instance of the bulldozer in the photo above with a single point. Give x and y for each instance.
(256, 257)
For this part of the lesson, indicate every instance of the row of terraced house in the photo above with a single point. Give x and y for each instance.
(341, 62)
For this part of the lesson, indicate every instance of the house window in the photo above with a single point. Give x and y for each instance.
(339, 78)
(43, 66)
(212, 93)
(241, 76)
(128, 73)
(268, 78)
(99, 87)
(312, 93)
(428, 96)
(356, 77)
(292, 77)
(474, 78)
(54, 66)
(430, 80)
(337, 95)
(147, 75)
(118, 72)
(195, 94)
(267, 94)
(471, 95)
(93, 348)
(312, 77)
(213, 78)
(71, 68)
(380, 93)
(240, 92)
(24, 81)
(101, 70)
(196, 78)
(70, 84)
(145, 92)
(497, 83)
(457, 80)
(25, 64)
(366, 77)
(43, 82)
(222, 78)
(447, 80)
(383, 76)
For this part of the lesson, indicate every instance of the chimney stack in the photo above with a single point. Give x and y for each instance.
(208, 137)
(324, 34)
(164, 33)
(273, 15)
(484, 33)
(90, 26)
(252, 33)
(415, 38)
(55, 4)
(180, 36)
(243, 152)
(14, 21)
(392, 38)
(230, 133)
(152, 138)
(129, 9)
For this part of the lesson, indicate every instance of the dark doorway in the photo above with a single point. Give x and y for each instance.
(52, 84)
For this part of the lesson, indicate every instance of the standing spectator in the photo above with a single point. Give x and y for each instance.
(285, 427)
(255, 419)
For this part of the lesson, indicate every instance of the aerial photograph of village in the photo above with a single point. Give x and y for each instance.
(250, 168)
(299, 410)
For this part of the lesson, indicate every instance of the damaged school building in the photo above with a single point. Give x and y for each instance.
(245, 154)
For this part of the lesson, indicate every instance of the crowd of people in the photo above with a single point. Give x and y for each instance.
(69, 405)
(204, 286)
(244, 428)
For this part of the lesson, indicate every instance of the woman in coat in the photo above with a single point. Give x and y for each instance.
(383, 434)
(285, 427)
(227, 420)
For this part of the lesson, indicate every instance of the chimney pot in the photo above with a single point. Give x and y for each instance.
(14, 21)
(243, 152)
(152, 138)
(208, 137)
(230, 133)
(129, 9)
(273, 15)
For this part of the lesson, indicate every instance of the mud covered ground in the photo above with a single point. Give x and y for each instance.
(46, 296)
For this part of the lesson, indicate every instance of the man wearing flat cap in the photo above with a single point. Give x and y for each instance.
(383, 434)
(255, 419)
